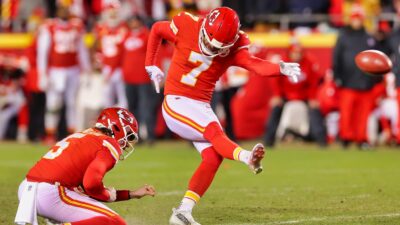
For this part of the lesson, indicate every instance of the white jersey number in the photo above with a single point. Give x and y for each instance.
(65, 41)
(191, 77)
(61, 146)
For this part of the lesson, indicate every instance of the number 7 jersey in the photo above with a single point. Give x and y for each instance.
(191, 73)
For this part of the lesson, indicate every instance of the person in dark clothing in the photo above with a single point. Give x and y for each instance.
(304, 90)
(355, 86)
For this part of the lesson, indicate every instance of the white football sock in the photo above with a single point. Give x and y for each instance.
(244, 156)
(187, 204)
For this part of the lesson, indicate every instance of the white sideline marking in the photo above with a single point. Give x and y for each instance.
(334, 218)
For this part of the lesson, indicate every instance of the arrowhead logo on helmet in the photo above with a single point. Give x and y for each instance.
(219, 31)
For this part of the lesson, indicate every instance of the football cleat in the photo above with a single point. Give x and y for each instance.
(257, 154)
(180, 217)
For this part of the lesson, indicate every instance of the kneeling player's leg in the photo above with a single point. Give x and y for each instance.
(202, 177)
(63, 205)
(100, 220)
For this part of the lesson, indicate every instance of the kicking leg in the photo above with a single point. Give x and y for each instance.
(230, 150)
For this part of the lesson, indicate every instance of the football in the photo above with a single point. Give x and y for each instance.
(373, 62)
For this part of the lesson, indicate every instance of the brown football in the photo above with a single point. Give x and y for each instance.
(373, 62)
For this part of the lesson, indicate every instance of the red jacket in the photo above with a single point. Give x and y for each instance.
(133, 57)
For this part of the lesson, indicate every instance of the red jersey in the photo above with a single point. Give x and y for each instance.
(307, 85)
(65, 38)
(78, 160)
(134, 52)
(191, 73)
(111, 43)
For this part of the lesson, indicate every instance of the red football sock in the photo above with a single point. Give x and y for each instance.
(206, 171)
(221, 143)
(100, 220)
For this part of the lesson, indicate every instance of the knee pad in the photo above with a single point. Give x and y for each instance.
(212, 130)
(211, 157)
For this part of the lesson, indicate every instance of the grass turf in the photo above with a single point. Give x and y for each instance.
(300, 185)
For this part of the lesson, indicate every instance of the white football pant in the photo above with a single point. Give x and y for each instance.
(188, 118)
(62, 88)
(63, 205)
(114, 88)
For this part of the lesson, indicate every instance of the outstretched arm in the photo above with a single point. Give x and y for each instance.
(244, 59)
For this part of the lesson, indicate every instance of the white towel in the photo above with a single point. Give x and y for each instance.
(26, 212)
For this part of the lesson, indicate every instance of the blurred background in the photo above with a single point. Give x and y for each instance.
(62, 61)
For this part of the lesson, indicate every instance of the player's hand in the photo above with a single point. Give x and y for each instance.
(143, 191)
(292, 70)
(156, 75)
(113, 194)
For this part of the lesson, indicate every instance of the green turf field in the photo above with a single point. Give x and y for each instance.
(299, 185)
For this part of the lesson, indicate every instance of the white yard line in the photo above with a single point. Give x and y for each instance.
(335, 218)
(322, 219)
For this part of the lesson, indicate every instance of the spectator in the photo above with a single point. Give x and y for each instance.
(142, 99)
(355, 86)
(305, 90)
(61, 56)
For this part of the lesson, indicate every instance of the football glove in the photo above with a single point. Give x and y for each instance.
(292, 70)
(156, 75)
(113, 194)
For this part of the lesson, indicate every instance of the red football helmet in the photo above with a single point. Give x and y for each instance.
(122, 126)
(219, 31)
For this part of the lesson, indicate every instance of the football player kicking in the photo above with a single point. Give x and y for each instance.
(204, 49)
(66, 184)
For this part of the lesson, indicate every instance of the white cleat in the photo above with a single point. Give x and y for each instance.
(257, 154)
(180, 217)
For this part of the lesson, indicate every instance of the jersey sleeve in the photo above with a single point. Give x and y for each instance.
(94, 174)
(159, 31)
(112, 148)
(243, 42)
(181, 20)
(244, 59)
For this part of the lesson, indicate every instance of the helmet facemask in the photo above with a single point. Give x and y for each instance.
(127, 142)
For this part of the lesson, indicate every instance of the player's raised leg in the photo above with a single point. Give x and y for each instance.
(198, 184)
(194, 120)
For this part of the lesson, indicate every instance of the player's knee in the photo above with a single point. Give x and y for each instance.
(118, 220)
(212, 130)
(211, 157)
